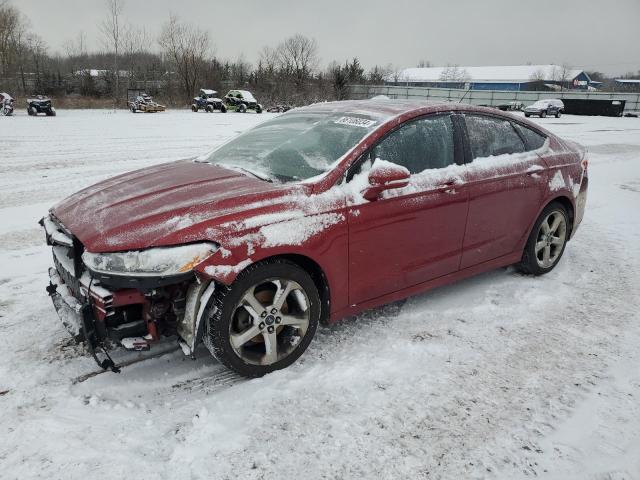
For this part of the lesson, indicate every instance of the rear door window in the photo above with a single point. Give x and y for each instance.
(533, 140)
(491, 136)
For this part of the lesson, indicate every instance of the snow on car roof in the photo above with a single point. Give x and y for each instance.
(208, 91)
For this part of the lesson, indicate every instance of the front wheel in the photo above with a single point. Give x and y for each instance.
(265, 320)
(223, 108)
(242, 108)
(194, 108)
(547, 241)
(258, 108)
(543, 114)
(558, 114)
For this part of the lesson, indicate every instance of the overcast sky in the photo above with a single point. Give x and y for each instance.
(602, 35)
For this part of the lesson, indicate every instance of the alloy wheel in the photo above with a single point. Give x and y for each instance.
(551, 238)
(270, 320)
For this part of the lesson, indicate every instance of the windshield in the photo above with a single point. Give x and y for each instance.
(294, 146)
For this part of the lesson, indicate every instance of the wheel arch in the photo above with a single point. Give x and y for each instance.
(316, 273)
(568, 204)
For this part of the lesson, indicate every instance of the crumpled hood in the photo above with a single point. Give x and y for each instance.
(168, 204)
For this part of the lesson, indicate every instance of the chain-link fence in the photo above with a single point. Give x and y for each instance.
(484, 97)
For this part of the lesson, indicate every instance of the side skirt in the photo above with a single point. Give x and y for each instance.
(428, 285)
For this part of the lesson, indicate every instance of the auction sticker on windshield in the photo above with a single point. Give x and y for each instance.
(356, 122)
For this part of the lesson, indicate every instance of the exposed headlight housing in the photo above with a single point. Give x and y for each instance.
(160, 261)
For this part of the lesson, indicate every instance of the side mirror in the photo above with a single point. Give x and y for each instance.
(385, 176)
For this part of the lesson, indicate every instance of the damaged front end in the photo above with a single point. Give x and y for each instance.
(127, 299)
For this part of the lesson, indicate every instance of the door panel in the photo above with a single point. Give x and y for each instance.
(401, 241)
(414, 234)
(505, 192)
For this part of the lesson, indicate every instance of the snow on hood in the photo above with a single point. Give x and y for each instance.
(168, 204)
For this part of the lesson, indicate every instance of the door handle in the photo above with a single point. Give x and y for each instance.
(448, 187)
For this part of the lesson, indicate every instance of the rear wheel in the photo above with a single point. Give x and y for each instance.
(547, 241)
(265, 320)
(543, 113)
(31, 111)
(194, 108)
(223, 108)
(208, 109)
(51, 112)
(133, 109)
(242, 108)
(527, 115)
(558, 114)
(258, 108)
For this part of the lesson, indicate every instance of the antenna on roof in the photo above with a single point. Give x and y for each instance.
(465, 94)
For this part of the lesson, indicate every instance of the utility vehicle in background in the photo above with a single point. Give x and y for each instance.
(6, 104)
(241, 101)
(40, 104)
(208, 102)
(140, 101)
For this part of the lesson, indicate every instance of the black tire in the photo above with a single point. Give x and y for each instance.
(223, 108)
(223, 304)
(133, 109)
(527, 115)
(51, 113)
(208, 109)
(30, 111)
(558, 114)
(529, 263)
(543, 114)
(258, 108)
(194, 108)
(242, 108)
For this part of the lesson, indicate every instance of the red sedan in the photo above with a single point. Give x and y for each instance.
(319, 213)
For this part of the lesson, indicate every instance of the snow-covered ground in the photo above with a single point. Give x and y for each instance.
(500, 376)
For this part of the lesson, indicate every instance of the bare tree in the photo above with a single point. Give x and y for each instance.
(188, 48)
(12, 28)
(298, 55)
(378, 74)
(453, 73)
(111, 28)
(268, 58)
(134, 43)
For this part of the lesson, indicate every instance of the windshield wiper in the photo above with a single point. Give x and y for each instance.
(256, 174)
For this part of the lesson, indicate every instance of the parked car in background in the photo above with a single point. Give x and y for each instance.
(241, 101)
(547, 106)
(208, 102)
(141, 102)
(510, 106)
(6, 104)
(40, 104)
(317, 214)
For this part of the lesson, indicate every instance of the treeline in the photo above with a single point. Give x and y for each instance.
(171, 67)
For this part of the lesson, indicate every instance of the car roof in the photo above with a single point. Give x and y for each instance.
(390, 107)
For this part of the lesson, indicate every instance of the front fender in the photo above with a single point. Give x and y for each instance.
(321, 238)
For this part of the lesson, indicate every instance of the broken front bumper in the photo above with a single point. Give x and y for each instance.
(68, 308)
